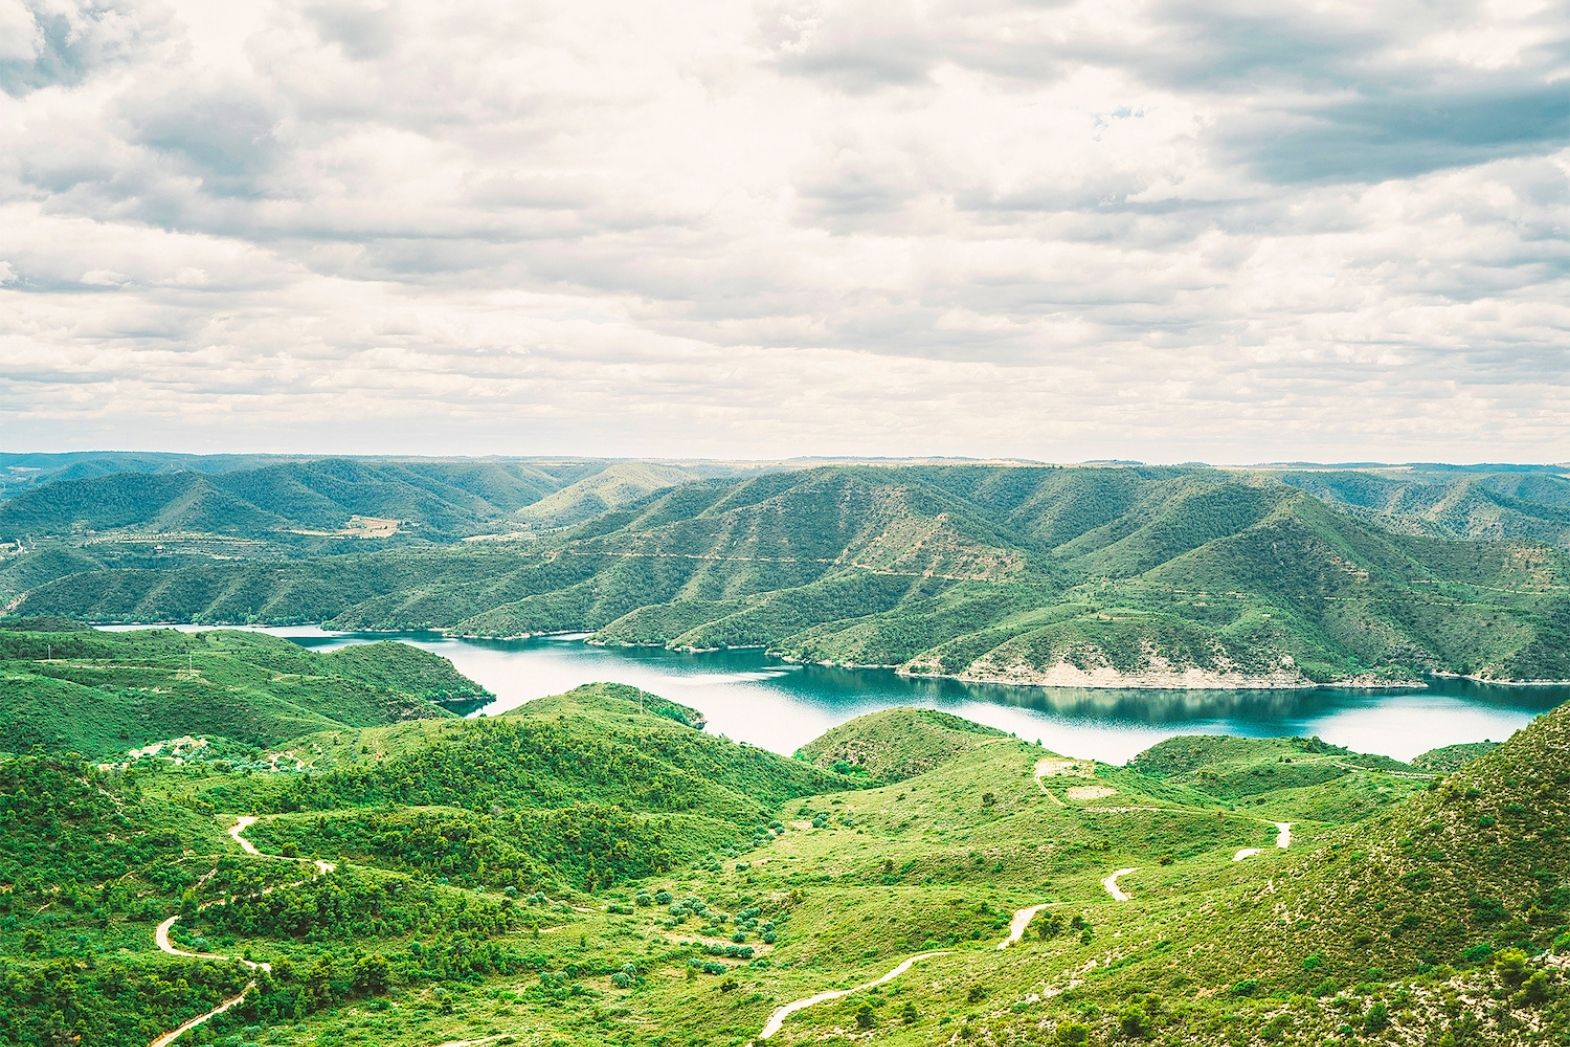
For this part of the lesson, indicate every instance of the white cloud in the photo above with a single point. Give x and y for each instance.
(1052, 229)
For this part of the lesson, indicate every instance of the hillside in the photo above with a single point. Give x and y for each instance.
(1079, 577)
(594, 868)
(1434, 917)
(21, 471)
(1493, 838)
(896, 744)
(612, 487)
(1448, 758)
(323, 497)
(104, 694)
(1515, 505)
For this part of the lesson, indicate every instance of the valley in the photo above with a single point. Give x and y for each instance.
(592, 868)
(792, 777)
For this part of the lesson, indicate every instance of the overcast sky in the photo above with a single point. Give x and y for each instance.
(1156, 230)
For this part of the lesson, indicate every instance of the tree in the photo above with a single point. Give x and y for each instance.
(371, 975)
(1133, 1022)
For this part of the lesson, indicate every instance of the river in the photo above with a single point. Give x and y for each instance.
(753, 698)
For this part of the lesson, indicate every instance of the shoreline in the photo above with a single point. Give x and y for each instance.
(1193, 679)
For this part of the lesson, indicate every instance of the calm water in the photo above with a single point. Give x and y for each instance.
(753, 698)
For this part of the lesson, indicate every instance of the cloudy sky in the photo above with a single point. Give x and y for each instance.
(1060, 230)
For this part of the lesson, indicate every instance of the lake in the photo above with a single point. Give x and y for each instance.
(751, 697)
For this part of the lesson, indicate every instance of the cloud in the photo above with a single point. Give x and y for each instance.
(1062, 229)
(49, 42)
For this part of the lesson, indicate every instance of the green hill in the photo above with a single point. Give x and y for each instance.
(103, 694)
(896, 743)
(1491, 505)
(595, 869)
(1090, 576)
(329, 496)
(610, 488)
(1448, 758)
(1477, 864)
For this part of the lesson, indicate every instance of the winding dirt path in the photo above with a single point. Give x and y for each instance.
(1111, 884)
(175, 1034)
(777, 1019)
(1021, 920)
(161, 935)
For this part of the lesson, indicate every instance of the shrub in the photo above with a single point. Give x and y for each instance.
(1133, 1022)
(1537, 990)
(1478, 953)
(1511, 967)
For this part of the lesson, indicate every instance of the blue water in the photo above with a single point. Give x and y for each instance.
(751, 697)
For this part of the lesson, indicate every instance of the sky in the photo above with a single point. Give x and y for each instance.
(1052, 229)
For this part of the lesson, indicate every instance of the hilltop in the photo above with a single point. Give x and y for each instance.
(1497, 504)
(896, 744)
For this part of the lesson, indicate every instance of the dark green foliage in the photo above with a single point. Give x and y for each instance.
(113, 1004)
(351, 905)
(591, 745)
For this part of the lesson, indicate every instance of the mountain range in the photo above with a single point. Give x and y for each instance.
(1107, 575)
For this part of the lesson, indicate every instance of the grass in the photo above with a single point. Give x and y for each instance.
(586, 871)
(103, 694)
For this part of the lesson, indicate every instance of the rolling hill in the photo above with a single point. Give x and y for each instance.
(594, 868)
(1497, 504)
(1098, 576)
(321, 496)
(104, 694)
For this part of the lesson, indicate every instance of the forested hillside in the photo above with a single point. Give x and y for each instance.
(103, 694)
(1078, 576)
(440, 499)
(595, 869)
(1518, 504)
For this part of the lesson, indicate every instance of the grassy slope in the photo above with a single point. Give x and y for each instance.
(1448, 758)
(827, 886)
(104, 693)
(896, 743)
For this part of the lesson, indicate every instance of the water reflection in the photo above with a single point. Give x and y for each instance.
(753, 698)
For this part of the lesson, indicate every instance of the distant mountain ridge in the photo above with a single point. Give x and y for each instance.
(1095, 576)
